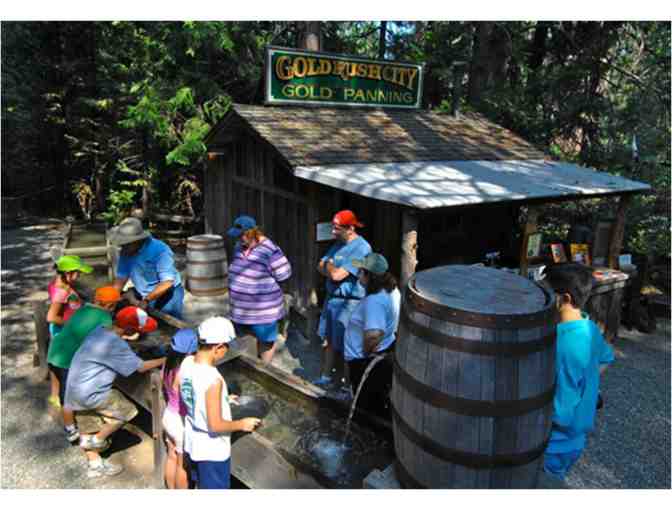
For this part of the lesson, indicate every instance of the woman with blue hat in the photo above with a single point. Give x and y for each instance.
(257, 269)
(184, 342)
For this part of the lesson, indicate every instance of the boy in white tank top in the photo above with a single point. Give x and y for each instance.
(208, 424)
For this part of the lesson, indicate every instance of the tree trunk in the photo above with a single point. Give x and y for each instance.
(480, 72)
(381, 41)
(311, 35)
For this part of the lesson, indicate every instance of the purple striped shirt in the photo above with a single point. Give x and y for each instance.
(256, 297)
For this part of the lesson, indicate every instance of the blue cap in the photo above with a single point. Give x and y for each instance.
(240, 225)
(185, 341)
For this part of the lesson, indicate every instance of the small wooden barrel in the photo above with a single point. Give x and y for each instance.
(474, 376)
(207, 268)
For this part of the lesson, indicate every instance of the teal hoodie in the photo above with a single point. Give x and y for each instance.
(580, 351)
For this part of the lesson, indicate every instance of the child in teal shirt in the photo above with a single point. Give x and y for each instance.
(581, 356)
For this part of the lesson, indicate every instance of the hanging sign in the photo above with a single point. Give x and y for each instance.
(307, 77)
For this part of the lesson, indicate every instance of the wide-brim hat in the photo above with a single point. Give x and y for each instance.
(373, 263)
(128, 231)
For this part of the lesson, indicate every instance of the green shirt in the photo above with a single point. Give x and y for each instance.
(64, 345)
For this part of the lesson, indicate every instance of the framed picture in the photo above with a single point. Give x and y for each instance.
(558, 253)
(580, 253)
(534, 245)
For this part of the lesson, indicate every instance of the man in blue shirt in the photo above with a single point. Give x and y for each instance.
(343, 288)
(150, 265)
(581, 356)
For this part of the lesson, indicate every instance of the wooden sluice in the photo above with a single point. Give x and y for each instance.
(275, 456)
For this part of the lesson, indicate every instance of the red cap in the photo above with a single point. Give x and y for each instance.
(136, 319)
(346, 218)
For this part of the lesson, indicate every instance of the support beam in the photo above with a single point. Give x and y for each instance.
(409, 246)
(529, 228)
(616, 241)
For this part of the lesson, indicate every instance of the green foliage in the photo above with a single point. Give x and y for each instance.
(125, 106)
(120, 205)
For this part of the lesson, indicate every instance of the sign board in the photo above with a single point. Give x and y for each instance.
(308, 77)
(323, 232)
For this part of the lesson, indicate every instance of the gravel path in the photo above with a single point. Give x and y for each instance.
(629, 449)
(35, 454)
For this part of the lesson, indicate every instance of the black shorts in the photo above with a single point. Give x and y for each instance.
(62, 376)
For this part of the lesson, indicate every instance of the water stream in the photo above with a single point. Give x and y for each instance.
(353, 406)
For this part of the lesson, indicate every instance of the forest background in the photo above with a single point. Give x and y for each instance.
(105, 117)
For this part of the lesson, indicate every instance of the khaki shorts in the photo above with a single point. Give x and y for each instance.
(116, 409)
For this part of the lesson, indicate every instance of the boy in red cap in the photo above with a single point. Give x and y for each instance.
(343, 288)
(99, 407)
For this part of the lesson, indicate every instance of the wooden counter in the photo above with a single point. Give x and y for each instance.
(606, 301)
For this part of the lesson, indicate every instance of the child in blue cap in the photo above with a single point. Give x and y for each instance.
(184, 342)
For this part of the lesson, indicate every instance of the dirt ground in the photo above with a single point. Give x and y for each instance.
(629, 449)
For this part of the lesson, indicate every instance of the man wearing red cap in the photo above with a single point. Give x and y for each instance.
(343, 288)
(98, 407)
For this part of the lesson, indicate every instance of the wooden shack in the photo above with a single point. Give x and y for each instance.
(429, 187)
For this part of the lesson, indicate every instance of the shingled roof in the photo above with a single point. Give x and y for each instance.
(331, 136)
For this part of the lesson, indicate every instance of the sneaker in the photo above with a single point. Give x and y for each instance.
(105, 468)
(91, 442)
(323, 380)
(72, 434)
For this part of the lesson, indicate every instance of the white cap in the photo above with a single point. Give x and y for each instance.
(216, 330)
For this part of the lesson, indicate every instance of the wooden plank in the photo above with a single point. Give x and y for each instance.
(259, 465)
(486, 432)
(529, 228)
(409, 246)
(40, 309)
(138, 387)
(286, 378)
(83, 252)
(158, 405)
(616, 241)
(269, 189)
(467, 435)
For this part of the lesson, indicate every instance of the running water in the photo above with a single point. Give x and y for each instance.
(369, 367)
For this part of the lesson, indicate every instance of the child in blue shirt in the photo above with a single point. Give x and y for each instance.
(581, 356)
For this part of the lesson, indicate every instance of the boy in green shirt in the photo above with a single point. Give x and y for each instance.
(64, 345)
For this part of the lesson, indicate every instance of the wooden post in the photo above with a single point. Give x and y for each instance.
(40, 309)
(616, 241)
(313, 217)
(158, 406)
(529, 228)
(409, 246)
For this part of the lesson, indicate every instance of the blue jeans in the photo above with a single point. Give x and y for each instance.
(171, 302)
(334, 319)
(558, 464)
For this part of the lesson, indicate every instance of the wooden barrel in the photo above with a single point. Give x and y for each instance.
(207, 269)
(474, 377)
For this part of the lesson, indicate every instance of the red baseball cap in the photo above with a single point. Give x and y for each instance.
(346, 218)
(136, 319)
